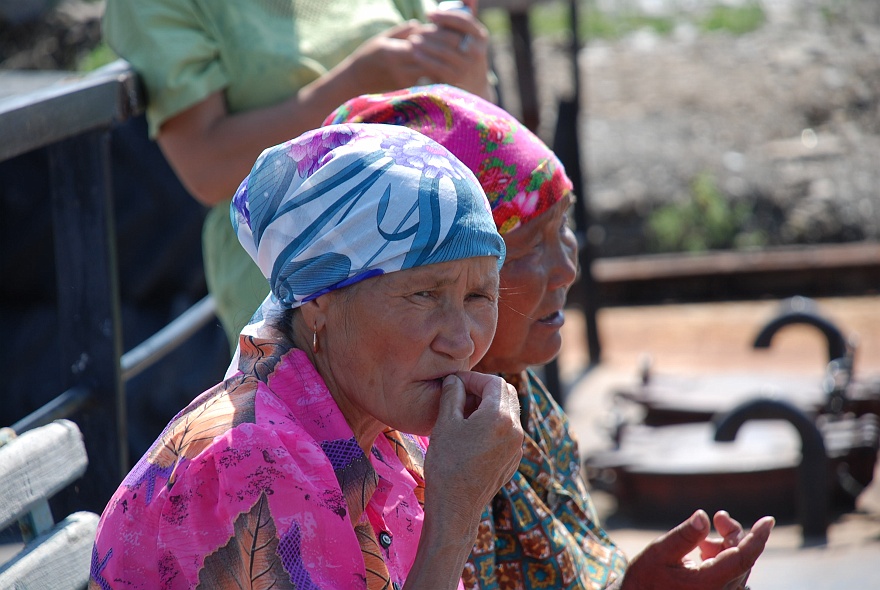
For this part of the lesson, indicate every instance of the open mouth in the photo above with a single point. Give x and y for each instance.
(552, 318)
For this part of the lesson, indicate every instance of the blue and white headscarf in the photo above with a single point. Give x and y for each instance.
(344, 203)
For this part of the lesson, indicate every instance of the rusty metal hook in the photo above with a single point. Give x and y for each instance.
(803, 310)
(813, 492)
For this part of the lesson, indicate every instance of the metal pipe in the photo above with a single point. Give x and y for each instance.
(63, 406)
(812, 472)
(802, 310)
(154, 348)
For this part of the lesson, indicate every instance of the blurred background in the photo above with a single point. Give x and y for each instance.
(706, 128)
(710, 124)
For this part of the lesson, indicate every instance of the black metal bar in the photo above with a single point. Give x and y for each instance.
(553, 382)
(154, 348)
(63, 406)
(567, 145)
(88, 308)
(43, 117)
(813, 491)
(521, 35)
(802, 310)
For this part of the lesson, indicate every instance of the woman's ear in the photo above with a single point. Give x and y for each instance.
(314, 312)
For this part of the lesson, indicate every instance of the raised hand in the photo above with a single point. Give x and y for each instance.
(384, 62)
(726, 561)
(476, 446)
(454, 49)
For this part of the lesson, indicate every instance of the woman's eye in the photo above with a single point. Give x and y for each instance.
(481, 295)
(566, 224)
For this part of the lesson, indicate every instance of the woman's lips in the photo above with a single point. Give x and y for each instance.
(555, 319)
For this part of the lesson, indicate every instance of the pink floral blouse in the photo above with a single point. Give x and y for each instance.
(260, 483)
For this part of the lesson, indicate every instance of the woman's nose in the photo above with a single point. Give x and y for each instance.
(454, 336)
(563, 264)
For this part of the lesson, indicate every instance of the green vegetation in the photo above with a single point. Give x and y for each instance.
(599, 25)
(551, 19)
(706, 221)
(97, 57)
(737, 20)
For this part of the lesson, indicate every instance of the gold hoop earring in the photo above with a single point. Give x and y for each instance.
(315, 338)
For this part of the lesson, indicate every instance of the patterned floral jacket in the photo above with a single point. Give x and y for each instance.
(541, 530)
(260, 483)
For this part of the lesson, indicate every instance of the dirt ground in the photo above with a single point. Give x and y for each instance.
(784, 120)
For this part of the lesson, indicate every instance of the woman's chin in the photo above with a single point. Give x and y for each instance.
(541, 355)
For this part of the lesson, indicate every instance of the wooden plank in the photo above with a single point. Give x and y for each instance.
(58, 560)
(59, 111)
(813, 271)
(37, 465)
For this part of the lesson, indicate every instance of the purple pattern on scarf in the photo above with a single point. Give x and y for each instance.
(425, 156)
(289, 549)
(310, 156)
(146, 472)
(342, 452)
(98, 566)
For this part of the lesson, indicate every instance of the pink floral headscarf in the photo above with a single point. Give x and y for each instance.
(521, 176)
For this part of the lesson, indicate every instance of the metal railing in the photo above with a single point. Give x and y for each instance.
(72, 119)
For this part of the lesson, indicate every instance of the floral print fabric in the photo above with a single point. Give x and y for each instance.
(346, 202)
(522, 177)
(541, 530)
(259, 483)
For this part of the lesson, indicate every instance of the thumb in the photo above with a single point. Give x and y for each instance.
(403, 30)
(452, 397)
(684, 538)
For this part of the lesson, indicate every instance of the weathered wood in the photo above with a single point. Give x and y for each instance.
(36, 465)
(57, 560)
(814, 271)
(65, 109)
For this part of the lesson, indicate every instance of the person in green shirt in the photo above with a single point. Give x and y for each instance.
(226, 80)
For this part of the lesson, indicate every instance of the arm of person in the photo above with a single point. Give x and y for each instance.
(662, 564)
(471, 455)
(211, 150)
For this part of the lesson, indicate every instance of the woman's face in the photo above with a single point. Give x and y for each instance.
(540, 267)
(389, 341)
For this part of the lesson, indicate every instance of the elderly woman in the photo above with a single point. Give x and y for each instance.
(383, 261)
(541, 530)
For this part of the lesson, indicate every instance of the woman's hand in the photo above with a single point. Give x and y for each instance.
(454, 48)
(476, 446)
(388, 61)
(726, 562)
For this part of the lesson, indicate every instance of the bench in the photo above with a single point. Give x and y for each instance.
(34, 467)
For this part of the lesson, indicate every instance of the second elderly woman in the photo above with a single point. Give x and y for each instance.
(383, 260)
(541, 530)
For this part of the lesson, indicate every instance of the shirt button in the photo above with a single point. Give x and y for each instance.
(385, 539)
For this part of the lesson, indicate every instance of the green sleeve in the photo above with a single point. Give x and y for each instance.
(169, 43)
(415, 9)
